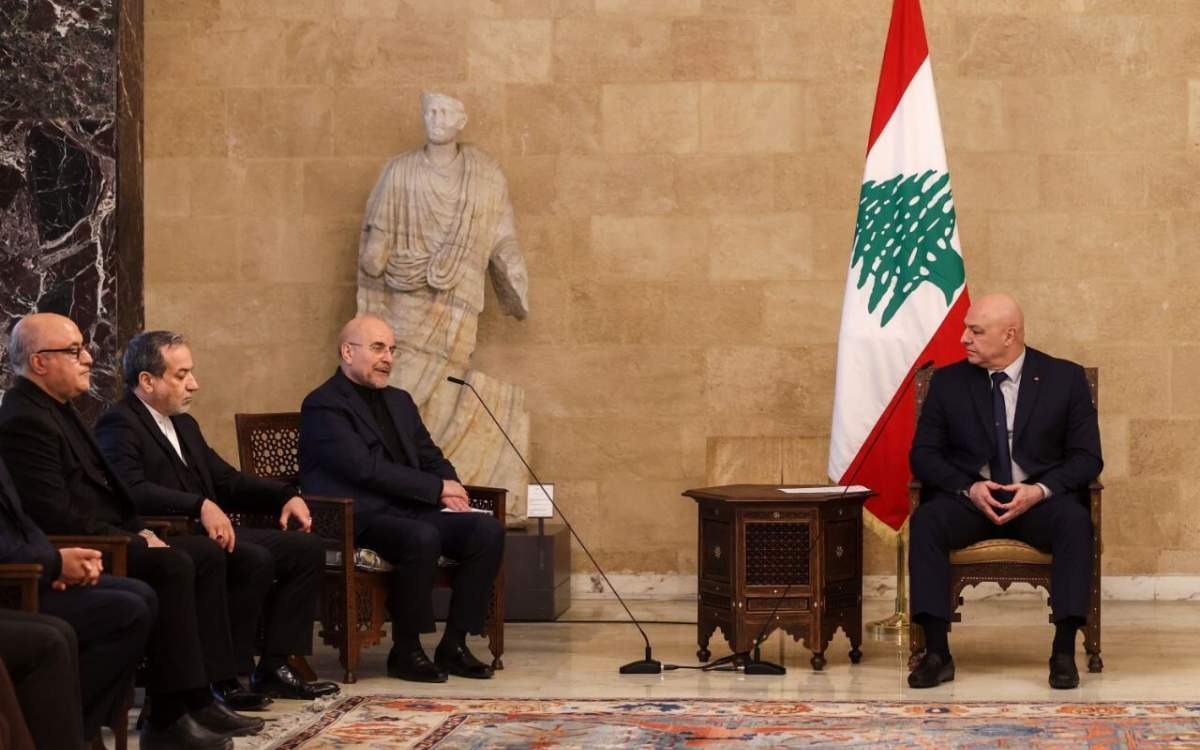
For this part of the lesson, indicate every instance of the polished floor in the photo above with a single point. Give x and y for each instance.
(1151, 652)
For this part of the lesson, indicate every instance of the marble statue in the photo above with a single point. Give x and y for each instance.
(438, 219)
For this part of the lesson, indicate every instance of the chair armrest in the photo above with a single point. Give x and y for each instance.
(914, 495)
(494, 499)
(114, 547)
(166, 526)
(19, 586)
(333, 521)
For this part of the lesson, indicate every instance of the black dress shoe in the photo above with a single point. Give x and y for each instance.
(232, 693)
(932, 671)
(460, 662)
(283, 682)
(216, 717)
(1063, 673)
(413, 666)
(184, 734)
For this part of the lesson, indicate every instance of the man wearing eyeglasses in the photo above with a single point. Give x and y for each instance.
(69, 488)
(363, 439)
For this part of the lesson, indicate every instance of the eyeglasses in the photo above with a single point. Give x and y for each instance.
(74, 351)
(377, 348)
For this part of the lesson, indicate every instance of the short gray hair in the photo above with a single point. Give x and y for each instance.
(143, 353)
(20, 346)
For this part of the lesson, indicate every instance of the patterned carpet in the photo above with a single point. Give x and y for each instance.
(378, 722)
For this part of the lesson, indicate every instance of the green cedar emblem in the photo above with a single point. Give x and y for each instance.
(902, 239)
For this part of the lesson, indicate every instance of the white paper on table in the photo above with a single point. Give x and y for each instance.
(538, 504)
(468, 510)
(830, 489)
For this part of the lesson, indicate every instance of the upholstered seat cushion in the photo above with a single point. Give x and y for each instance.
(999, 551)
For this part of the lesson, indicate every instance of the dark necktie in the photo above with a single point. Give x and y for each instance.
(1000, 467)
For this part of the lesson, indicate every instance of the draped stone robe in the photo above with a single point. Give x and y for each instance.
(429, 236)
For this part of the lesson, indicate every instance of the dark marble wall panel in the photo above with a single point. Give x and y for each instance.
(69, 137)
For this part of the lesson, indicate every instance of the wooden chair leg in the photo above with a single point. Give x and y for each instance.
(348, 655)
(1091, 641)
(118, 722)
(495, 628)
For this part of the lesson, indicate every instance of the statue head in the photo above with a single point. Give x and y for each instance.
(444, 117)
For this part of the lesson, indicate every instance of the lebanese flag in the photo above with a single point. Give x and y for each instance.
(906, 293)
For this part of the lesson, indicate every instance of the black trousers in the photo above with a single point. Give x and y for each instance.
(190, 645)
(274, 578)
(1061, 526)
(112, 621)
(14, 734)
(40, 655)
(412, 540)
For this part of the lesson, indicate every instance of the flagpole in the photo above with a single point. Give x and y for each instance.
(895, 627)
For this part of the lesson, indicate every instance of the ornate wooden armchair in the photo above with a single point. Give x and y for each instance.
(19, 590)
(1008, 561)
(353, 599)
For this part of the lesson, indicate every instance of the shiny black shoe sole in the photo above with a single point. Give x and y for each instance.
(453, 669)
(242, 705)
(286, 693)
(415, 678)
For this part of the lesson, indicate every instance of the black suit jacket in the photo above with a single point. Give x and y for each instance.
(342, 452)
(59, 473)
(160, 483)
(21, 541)
(1056, 434)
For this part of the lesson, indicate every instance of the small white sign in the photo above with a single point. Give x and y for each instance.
(539, 505)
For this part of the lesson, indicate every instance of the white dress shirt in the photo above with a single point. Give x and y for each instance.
(1009, 388)
(168, 429)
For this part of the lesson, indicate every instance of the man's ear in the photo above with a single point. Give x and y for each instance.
(35, 364)
(145, 381)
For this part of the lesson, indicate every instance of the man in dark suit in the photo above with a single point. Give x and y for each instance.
(1006, 446)
(362, 439)
(68, 488)
(273, 577)
(111, 618)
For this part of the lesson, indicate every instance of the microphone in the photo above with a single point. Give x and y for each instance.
(756, 665)
(648, 665)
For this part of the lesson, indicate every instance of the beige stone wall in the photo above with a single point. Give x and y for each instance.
(685, 174)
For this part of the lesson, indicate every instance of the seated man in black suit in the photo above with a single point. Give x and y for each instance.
(1006, 446)
(362, 439)
(68, 488)
(273, 577)
(111, 618)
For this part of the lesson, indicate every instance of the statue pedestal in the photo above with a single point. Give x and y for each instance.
(537, 575)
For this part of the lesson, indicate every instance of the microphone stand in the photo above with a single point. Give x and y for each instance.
(756, 665)
(648, 665)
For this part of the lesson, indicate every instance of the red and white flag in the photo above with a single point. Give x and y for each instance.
(906, 292)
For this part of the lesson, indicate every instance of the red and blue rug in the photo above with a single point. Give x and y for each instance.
(378, 722)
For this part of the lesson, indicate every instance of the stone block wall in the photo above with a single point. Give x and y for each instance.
(685, 175)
